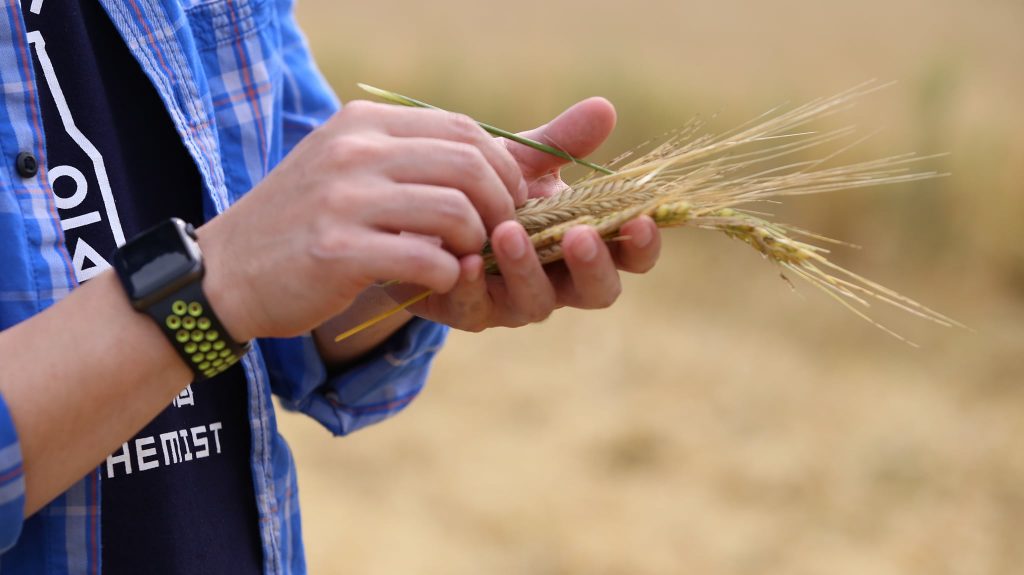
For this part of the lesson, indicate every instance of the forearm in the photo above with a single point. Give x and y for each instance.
(79, 379)
(370, 303)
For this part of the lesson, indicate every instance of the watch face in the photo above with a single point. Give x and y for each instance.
(157, 262)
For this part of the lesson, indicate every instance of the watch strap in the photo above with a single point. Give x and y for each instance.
(188, 321)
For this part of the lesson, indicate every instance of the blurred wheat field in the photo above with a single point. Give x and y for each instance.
(712, 421)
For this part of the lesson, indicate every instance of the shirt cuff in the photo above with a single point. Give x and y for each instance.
(378, 386)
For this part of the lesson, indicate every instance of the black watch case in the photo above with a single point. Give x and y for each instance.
(159, 262)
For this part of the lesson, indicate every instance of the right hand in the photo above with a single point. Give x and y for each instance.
(326, 223)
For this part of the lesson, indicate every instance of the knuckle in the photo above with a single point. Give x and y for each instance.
(478, 235)
(453, 205)
(420, 263)
(479, 179)
(354, 150)
(643, 261)
(430, 270)
(356, 109)
(469, 158)
(505, 204)
(330, 241)
(608, 296)
(464, 126)
(335, 198)
(539, 310)
(339, 201)
(457, 214)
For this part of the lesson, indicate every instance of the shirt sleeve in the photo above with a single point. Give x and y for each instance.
(380, 385)
(12, 481)
(307, 98)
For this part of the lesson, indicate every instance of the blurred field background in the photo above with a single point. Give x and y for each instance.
(712, 422)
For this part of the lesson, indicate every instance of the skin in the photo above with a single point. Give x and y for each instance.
(525, 292)
(349, 206)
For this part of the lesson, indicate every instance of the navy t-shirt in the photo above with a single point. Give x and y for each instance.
(178, 497)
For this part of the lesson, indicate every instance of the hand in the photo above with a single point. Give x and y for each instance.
(526, 292)
(326, 223)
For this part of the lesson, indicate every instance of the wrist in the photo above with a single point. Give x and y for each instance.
(220, 290)
(163, 271)
(107, 298)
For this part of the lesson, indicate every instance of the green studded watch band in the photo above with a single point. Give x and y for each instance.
(195, 332)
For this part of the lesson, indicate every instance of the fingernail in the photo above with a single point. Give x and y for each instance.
(524, 192)
(642, 236)
(586, 249)
(515, 245)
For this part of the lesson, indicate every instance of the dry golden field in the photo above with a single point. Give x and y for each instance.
(712, 422)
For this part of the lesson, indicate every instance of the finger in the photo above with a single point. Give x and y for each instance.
(380, 256)
(593, 272)
(420, 123)
(452, 165)
(468, 306)
(530, 296)
(578, 131)
(433, 211)
(640, 246)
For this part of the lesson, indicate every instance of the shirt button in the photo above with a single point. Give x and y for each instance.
(27, 165)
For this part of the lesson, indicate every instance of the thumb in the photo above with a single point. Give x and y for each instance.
(577, 131)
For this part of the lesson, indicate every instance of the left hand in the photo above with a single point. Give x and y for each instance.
(527, 292)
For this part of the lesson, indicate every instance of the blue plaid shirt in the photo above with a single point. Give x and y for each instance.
(238, 82)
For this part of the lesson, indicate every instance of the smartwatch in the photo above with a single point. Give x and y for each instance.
(162, 272)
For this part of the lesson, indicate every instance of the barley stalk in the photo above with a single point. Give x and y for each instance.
(706, 181)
